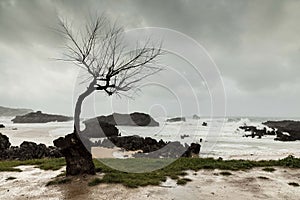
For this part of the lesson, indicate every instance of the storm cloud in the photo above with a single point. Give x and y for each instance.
(255, 45)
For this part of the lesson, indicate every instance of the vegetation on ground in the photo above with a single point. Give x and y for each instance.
(183, 181)
(226, 173)
(269, 169)
(59, 181)
(45, 164)
(176, 170)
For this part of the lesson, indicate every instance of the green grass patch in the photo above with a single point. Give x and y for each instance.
(95, 181)
(178, 168)
(59, 181)
(226, 173)
(294, 184)
(175, 169)
(45, 164)
(183, 181)
(269, 169)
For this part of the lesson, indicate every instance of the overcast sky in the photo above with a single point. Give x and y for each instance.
(254, 43)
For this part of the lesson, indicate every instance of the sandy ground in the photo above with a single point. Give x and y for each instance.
(206, 184)
(29, 184)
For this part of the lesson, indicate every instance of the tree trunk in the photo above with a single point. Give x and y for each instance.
(78, 157)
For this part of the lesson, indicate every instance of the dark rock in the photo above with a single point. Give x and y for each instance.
(2, 126)
(248, 128)
(176, 119)
(196, 117)
(289, 126)
(204, 124)
(150, 147)
(26, 151)
(98, 129)
(4, 142)
(39, 117)
(133, 119)
(287, 130)
(193, 150)
(184, 136)
(133, 143)
(254, 131)
(273, 132)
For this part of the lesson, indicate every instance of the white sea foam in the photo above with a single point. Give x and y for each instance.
(226, 143)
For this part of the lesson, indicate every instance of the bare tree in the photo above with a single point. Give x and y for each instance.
(99, 49)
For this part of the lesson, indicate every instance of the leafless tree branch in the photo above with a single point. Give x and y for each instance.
(99, 49)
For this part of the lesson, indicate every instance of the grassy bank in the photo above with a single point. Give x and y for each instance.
(176, 170)
(45, 164)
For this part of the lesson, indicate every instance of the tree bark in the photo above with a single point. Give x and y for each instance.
(78, 157)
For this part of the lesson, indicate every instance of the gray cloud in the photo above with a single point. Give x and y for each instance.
(255, 44)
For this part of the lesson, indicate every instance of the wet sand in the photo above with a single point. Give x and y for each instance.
(206, 184)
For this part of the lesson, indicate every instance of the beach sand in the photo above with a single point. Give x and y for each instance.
(206, 184)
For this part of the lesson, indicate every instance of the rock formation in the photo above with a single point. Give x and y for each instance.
(98, 129)
(133, 119)
(176, 119)
(256, 132)
(26, 151)
(292, 128)
(286, 130)
(150, 147)
(39, 117)
(4, 142)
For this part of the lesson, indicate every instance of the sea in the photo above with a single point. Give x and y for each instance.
(220, 138)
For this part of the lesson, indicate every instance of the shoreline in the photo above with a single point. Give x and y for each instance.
(205, 184)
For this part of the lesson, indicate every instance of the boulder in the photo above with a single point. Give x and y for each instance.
(254, 131)
(39, 117)
(248, 128)
(133, 119)
(2, 126)
(98, 129)
(4, 142)
(150, 147)
(204, 124)
(31, 150)
(192, 151)
(184, 136)
(133, 143)
(26, 151)
(176, 119)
